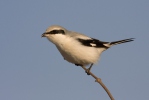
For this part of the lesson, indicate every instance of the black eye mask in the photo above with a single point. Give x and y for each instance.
(56, 32)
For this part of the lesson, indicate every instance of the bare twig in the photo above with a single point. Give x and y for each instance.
(99, 81)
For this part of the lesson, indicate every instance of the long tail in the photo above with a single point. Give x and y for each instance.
(121, 41)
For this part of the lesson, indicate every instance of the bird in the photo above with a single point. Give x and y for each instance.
(78, 48)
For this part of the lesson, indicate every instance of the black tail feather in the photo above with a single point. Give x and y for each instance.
(122, 41)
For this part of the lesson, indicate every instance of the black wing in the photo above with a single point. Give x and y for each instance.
(93, 43)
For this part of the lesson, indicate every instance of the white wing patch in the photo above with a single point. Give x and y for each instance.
(93, 45)
(107, 44)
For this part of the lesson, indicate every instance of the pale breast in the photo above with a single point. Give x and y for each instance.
(76, 53)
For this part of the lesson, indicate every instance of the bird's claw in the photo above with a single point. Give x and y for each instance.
(87, 71)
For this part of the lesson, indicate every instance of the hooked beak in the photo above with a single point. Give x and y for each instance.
(43, 35)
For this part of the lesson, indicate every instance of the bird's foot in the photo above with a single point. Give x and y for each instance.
(88, 71)
(78, 64)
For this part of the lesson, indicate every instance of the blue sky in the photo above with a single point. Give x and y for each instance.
(31, 68)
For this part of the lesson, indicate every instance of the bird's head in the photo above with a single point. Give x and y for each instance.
(53, 30)
(55, 33)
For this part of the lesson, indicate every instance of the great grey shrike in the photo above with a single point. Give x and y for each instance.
(77, 48)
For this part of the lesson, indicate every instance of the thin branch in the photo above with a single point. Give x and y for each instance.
(99, 81)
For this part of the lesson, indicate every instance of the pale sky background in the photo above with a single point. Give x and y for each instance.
(31, 68)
